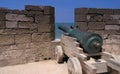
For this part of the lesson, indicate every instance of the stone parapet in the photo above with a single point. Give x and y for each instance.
(26, 35)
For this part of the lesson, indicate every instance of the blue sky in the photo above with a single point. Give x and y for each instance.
(64, 9)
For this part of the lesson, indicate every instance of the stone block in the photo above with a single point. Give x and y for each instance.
(23, 38)
(106, 32)
(3, 62)
(29, 25)
(33, 13)
(107, 17)
(44, 28)
(112, 27)
(96, 25)
(4, 10)
(114, 22)
(7, 31)
(4, 48)
(48, 10)
(42, 37)
(33, 8)
(6, 39)
(81, 10)
(36, 37)
(11, 54)
(112, 41)
(16, 11)
(18, 31)
(43, 19)
(112, 48)
(104, 11)
(16, 61)
(82, 25)
(18, 17)
(44, 50)
(22, 46)
(25, 31)
(114, 36)
(95, 17)
(80, 18)
(11, 24)
(117, 17)
(116, 11)
(2, 24)
(47, 37)
(2, 16)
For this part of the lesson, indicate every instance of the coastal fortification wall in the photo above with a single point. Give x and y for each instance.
(105, 22)
(26, 35)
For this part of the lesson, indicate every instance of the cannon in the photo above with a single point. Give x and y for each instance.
(82, 51)
(90, 42)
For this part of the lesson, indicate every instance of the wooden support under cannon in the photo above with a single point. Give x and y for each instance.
(82, 63)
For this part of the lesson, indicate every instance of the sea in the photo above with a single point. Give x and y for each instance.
(58, 32)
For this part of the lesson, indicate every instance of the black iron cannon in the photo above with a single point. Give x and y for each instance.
(90, 42)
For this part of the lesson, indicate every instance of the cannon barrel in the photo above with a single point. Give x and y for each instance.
(90, 42)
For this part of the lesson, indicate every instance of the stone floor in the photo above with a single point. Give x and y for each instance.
(44, 67)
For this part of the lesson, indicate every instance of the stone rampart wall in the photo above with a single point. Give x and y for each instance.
(26, 35)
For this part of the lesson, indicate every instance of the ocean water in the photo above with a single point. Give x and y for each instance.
(58, 32)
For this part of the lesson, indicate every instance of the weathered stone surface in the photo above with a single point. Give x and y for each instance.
(93, 10)
(43, 19)
(3, 62)
(115, 17)
(112, 48)
(112, 27)
(95, 17)
(18, 17)
(14, 31)
(2, 24)
(22, 46)
(82, 25)
(33, 13)
(11, 24)
(101, 11)
(81, 10)
(16, 11)
(6, 39)
(11, 54)
(2, 16)
(112, 22)
(42, 37)
(96, 25)
(112, 41)
(36, 37)
(80, 18)
(116, 11)
(33, 8)
(47, 37)
(48, 10)
(102, 32)
(44, 28)
(114, 36)
(23, 38)
(27, 25)
(26, 35)
(4, 10)
(107, 17)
